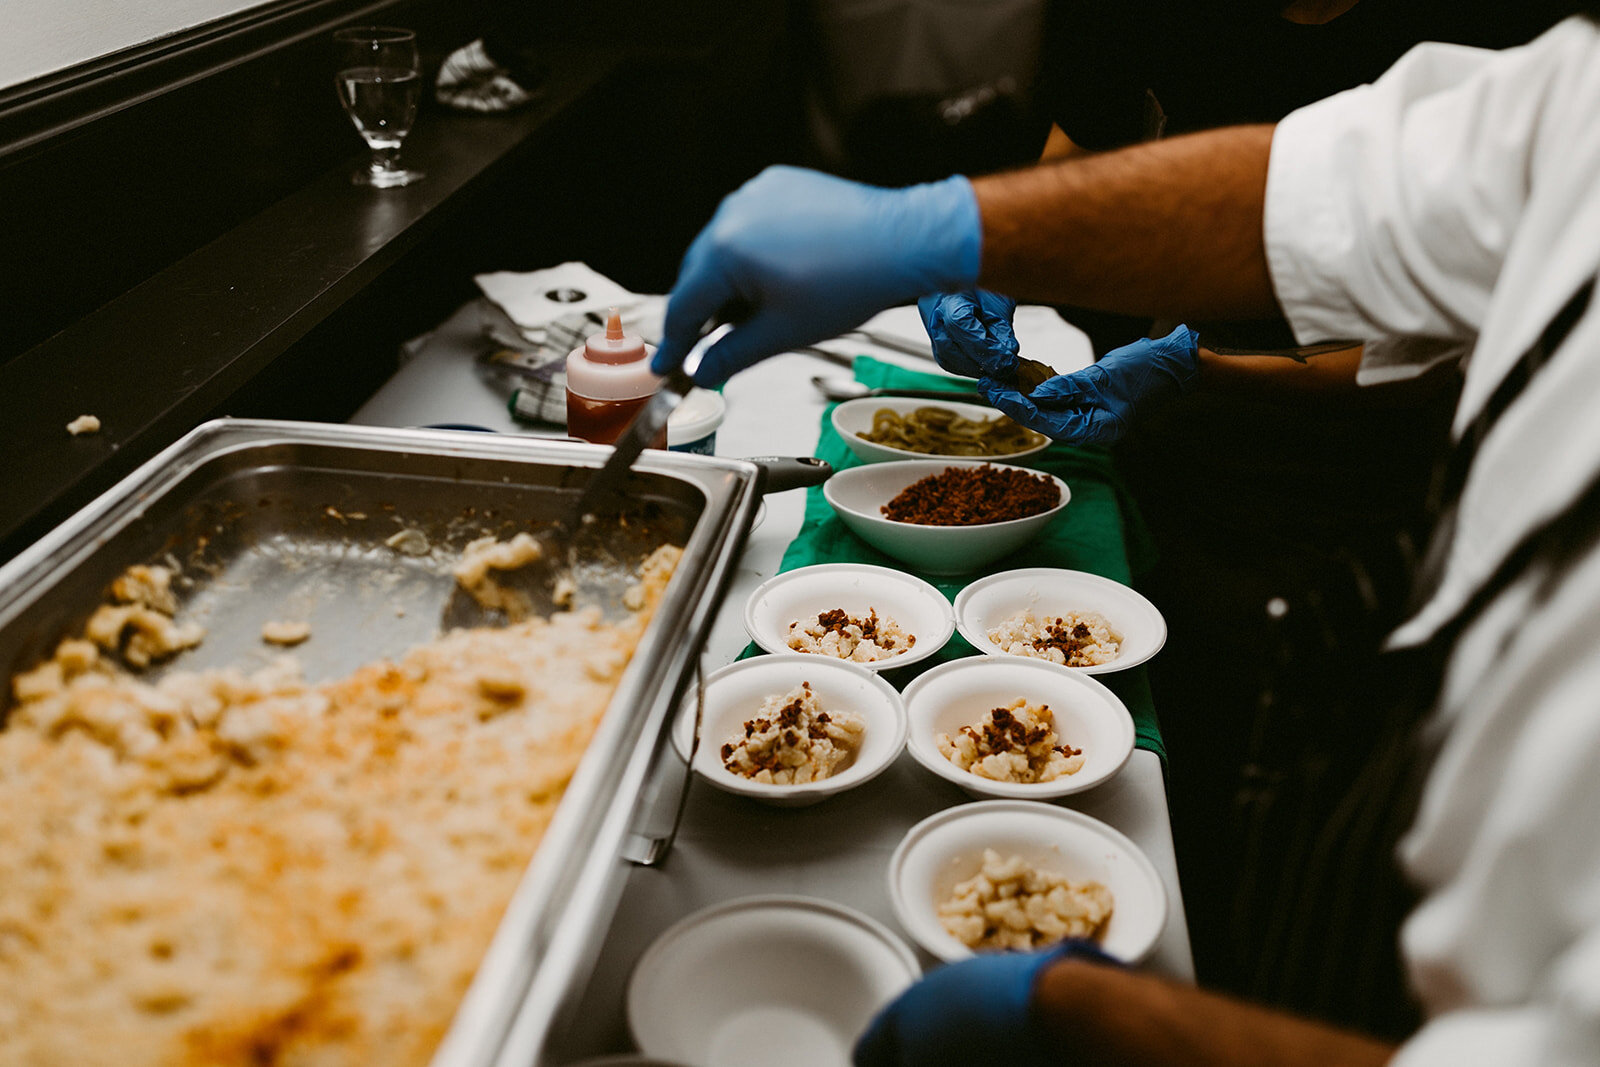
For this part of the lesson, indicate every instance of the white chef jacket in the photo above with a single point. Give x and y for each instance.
(1457, 201)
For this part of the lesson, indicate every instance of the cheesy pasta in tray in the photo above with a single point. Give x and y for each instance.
(229, 867)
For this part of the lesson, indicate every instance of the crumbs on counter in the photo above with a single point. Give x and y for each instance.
(83, 424)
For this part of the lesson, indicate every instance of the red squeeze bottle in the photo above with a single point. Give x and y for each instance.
(608, 381)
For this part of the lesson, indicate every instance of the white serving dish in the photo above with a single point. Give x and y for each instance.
(770, 981)
(946, 849)
(988, 602)
(916, 606)
(734, 693)
(858, 494)
(854, 417)
(1088, 716)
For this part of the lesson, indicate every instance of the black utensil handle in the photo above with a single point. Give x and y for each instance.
(965, 396)
(791, 472)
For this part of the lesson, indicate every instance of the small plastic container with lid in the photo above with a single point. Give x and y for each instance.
(608, 381)
(693, 424)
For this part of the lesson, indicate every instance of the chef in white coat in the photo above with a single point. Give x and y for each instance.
(1449, 211)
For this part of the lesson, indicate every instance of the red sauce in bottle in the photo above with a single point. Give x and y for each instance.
(602, 421)
(608, 383)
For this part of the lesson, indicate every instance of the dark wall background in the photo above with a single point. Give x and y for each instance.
(112, 172)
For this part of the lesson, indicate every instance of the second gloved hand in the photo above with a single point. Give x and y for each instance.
(971, 333)
(1098, 405)
(976, 1011)
(804, 256)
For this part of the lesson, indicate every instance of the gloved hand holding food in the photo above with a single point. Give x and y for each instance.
(809, 256)
(1097, 405)
(971, 1012)
(971, 333)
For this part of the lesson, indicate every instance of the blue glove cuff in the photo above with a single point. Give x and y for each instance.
(944, 216)
(1181, 348)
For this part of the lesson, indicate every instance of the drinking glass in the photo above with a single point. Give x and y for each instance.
(380, 87)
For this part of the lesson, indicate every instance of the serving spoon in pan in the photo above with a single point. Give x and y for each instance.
(531, 581)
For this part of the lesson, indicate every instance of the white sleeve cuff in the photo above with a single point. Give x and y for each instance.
(1518, 1037)
(1307, 236)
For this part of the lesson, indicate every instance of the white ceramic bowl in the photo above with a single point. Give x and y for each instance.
(736, 692)
(916, 606)
(988, 602)
(946, 849)
(776, 981)
(858, 493)
(1088, 716)
(854, 417)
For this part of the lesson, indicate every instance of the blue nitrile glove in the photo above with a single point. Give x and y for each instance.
(971, 333)
(805, 256)
(1097, 405)
(972, 1012)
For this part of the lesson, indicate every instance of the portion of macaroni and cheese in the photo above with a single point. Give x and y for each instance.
(793, 740)
(860, 639)
(1016, 743)
(1010, 904)
(1076, 639)
(226, 868)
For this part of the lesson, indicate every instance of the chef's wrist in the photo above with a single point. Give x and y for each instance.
(1063, 977)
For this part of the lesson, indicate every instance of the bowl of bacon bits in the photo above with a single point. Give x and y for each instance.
(943, 518)
(1079, 620)
(875, 616)
(1007, 875)
(1016, 728)
(792, 730)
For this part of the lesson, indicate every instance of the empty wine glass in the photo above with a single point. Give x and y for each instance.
(380, 87)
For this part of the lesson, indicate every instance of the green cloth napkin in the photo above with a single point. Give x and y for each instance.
(1099, 531)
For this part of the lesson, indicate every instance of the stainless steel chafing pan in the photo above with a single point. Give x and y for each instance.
(269, 518)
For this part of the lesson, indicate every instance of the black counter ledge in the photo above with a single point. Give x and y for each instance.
(161, 357)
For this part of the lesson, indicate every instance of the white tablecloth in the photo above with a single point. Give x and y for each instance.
(730, 847)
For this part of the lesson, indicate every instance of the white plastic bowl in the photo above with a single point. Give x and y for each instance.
(916, 606)
(765, 982)
(858, 494)
(988, 602)
(736, 692)
(1088, 716)
(854, 417)
(947, 849)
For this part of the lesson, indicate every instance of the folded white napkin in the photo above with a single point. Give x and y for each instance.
(534, 299)
(535, 318)
(470, 81)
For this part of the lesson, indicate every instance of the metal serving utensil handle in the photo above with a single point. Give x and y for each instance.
(642, 847)
(648, 425)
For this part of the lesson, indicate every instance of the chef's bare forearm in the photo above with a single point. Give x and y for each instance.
(1170, 229)
(1323, 375)
(1109, 1017)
